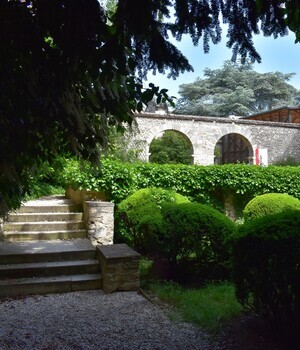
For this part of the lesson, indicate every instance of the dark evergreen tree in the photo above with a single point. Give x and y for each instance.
(68, 73)
(236, 89)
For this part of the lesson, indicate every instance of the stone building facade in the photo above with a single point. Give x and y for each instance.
(282, 140)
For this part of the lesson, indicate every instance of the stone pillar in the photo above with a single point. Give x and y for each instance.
(229, 206)
(99, 219)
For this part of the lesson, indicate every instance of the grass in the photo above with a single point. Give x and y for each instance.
(145, 267)
(210, 307)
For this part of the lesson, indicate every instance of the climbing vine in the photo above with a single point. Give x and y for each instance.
(206, 184)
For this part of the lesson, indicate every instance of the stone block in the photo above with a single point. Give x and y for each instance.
(120, 267)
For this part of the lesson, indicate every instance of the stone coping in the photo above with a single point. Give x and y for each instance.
(221, 120)
(99, 203)
(117, 251)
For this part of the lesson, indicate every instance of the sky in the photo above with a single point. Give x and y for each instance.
(281, 54)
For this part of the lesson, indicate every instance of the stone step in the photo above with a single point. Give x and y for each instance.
(54, 284)
(44, 217)
(50, 204)
(47, 269)
(43, 226)
(11, 236)
(49, 208)
(46, 251)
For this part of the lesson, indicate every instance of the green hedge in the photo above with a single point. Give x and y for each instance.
(204, 184)
(266, 261)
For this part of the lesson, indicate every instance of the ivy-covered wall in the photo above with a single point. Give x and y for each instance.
(232, 184)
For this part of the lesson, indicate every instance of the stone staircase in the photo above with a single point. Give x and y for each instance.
(46, 219)
(44, 249)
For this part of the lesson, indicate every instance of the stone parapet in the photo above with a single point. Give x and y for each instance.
(120, 266)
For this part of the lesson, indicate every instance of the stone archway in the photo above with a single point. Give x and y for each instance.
(233, 148)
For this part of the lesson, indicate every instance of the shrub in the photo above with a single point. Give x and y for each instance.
(195, 237)
(139, 219)
(266, 270)
(269, 203)
(47, 179)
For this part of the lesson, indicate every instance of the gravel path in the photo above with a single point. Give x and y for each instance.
(92, 320)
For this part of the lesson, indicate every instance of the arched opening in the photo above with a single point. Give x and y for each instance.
(171, 147)
(233, 148)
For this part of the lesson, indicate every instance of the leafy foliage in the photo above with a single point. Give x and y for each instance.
(141, 216)
(266, 264)
(122, 146)
(170, 148)
(235, 89)
(47, 180)
(270, 203)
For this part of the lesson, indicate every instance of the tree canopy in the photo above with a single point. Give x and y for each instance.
(68, 71)
(236, 89)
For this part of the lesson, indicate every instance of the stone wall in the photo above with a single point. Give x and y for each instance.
(281, 139)
(80, 196)
(98, 215)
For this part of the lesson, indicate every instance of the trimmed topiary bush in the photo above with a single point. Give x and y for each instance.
(266, 271)
(195, 239)
(270, 203)
(139, 220)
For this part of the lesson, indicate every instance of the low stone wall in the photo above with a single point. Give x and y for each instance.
(80, 196)
(98, 215)
(120, 267)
